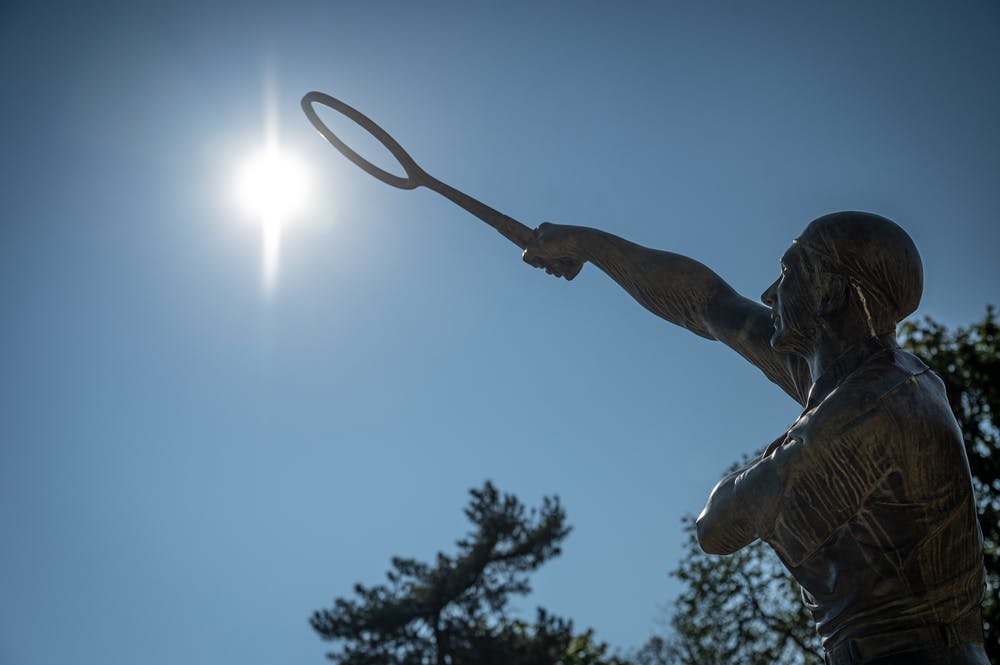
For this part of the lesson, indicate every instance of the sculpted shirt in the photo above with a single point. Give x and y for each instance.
(867, 499)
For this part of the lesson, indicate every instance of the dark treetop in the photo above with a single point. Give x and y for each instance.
(867, 498)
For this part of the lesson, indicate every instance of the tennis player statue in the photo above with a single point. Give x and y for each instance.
(867, 498)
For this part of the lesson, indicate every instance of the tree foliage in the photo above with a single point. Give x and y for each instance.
(742, 608)
(745, 608)
(454, 611)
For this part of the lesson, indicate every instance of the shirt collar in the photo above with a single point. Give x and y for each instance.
(845, 365)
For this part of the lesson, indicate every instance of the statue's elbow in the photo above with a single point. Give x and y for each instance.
(711, 536)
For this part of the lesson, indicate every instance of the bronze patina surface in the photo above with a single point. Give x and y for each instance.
(867, 498)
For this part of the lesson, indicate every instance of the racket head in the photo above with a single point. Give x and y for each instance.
(414, 173)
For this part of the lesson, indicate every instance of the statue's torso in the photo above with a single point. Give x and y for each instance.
(878, 521)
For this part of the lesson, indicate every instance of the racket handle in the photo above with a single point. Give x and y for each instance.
(508, 227)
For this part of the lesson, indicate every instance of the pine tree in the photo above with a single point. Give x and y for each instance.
(454, 611)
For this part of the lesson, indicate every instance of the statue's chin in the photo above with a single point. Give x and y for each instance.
(778, 341)
(782, 342)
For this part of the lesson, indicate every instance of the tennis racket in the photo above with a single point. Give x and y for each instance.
(510, 228)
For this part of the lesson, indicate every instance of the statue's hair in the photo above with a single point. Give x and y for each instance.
(878, 258)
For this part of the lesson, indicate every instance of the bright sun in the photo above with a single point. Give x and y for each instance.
(272, 187)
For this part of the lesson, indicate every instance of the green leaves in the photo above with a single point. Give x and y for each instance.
(741, 608)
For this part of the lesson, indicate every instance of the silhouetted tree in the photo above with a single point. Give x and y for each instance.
(745, 608)
(455, 611)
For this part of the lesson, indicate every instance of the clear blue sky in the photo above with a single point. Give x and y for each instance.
(188, 468)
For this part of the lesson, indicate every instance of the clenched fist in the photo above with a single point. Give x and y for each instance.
(554, 249)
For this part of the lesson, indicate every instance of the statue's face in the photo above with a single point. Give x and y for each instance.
(794, 301)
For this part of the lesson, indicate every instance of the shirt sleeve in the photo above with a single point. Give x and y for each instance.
(826, 473)
(803, 489)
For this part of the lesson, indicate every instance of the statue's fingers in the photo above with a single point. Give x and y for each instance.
(572, 271)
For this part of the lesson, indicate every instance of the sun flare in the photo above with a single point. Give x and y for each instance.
(272, 187)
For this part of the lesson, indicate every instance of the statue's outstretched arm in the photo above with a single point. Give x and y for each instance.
(676, 288)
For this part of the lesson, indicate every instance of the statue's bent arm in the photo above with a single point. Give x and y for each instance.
(804, 473)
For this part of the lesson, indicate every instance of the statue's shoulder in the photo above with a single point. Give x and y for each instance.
(874, 393)
(885, 374)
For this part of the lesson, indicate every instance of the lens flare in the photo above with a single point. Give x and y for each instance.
(272, 187)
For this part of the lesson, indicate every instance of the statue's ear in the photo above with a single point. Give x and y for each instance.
(835, 296)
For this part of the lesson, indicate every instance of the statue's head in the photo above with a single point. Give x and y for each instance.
(851, 273)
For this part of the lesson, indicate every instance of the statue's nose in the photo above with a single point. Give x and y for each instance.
(769, 295)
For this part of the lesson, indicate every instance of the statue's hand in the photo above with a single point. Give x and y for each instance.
(553, 248)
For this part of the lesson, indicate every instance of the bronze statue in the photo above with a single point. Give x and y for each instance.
(867, 498)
